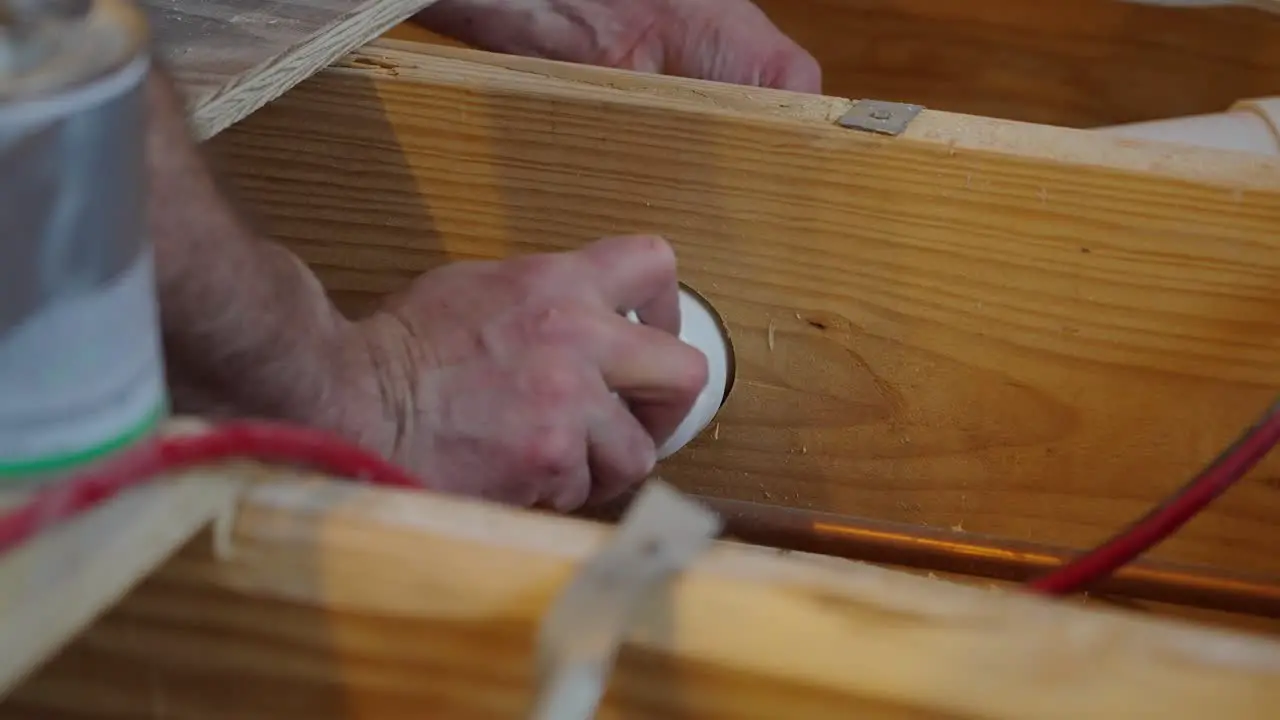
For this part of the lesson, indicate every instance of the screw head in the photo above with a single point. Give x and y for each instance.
(881, 114)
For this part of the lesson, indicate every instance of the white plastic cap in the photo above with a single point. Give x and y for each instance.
(700, 328)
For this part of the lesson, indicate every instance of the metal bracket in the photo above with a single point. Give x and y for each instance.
(879, 116)
(578, 643)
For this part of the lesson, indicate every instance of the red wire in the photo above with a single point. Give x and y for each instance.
(262, 441)
(1170, 515)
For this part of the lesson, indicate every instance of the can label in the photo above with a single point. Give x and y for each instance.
(82, 377)
(81, 363)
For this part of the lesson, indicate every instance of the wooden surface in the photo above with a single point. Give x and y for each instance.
(53, 587)
(1079, 63)
(1010, 329)
(326, 609)
(1228, 598)
(233, 56)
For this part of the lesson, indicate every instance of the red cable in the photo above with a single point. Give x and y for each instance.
(262, 441)
(1170, 515)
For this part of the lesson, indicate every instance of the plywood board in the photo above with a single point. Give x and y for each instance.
(326, 609)
(1011, 329)
(231, 57)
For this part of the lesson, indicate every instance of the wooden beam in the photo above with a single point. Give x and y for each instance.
(1076, 63)
(1017, 330)
(340, 601)
(231, 57)
(1243, 602)
(1079, 63)
(56, 585)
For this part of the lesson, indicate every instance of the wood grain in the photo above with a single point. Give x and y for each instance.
(55, 586)
(1077, 63)
(1017, 330)
(326, 609)
(231, 57)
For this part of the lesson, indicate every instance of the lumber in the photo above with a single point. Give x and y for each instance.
(342, 601)
(56, 585)
(1017, 330)
(1082, 63)
(231, 57)
(961, 552)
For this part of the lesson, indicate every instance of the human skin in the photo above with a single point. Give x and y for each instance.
(722, 40)
(517, 380)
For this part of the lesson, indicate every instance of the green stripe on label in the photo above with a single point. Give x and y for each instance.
(63, 462)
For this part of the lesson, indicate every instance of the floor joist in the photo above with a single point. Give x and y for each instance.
(1011, 329)
(341, 601)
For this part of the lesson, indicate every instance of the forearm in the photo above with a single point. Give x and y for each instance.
(248, 329)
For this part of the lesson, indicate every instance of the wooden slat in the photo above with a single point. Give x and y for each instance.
(1012, 329)
(340, 601)
(53, 587)
(231, 57)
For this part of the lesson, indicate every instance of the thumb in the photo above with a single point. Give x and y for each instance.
(792, 68)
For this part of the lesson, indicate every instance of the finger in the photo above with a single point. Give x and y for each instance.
(637, 272)
(543, 420)
(556, 466)
(656, 373)
(659, 376)
(620, 451)
(792, 69)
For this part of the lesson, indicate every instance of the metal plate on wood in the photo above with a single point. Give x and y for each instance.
(880, 116)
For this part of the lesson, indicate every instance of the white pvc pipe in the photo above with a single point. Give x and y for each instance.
(1249, 126)
(701, 328)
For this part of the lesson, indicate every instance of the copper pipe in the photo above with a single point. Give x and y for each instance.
(977, 555)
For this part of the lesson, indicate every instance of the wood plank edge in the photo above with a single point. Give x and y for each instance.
(869, 634)
(945, 133)
(60, 582)
(272, 78)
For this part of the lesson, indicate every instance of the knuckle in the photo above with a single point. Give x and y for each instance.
(658, 250)
(558, 323)
(552, 450)
(645, 250)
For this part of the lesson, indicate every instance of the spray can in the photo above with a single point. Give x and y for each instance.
(81, 365)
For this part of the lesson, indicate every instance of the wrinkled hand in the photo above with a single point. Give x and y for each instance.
(723, 40)
(498, 379)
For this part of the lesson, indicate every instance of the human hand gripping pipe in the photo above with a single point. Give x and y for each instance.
(702, 328)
